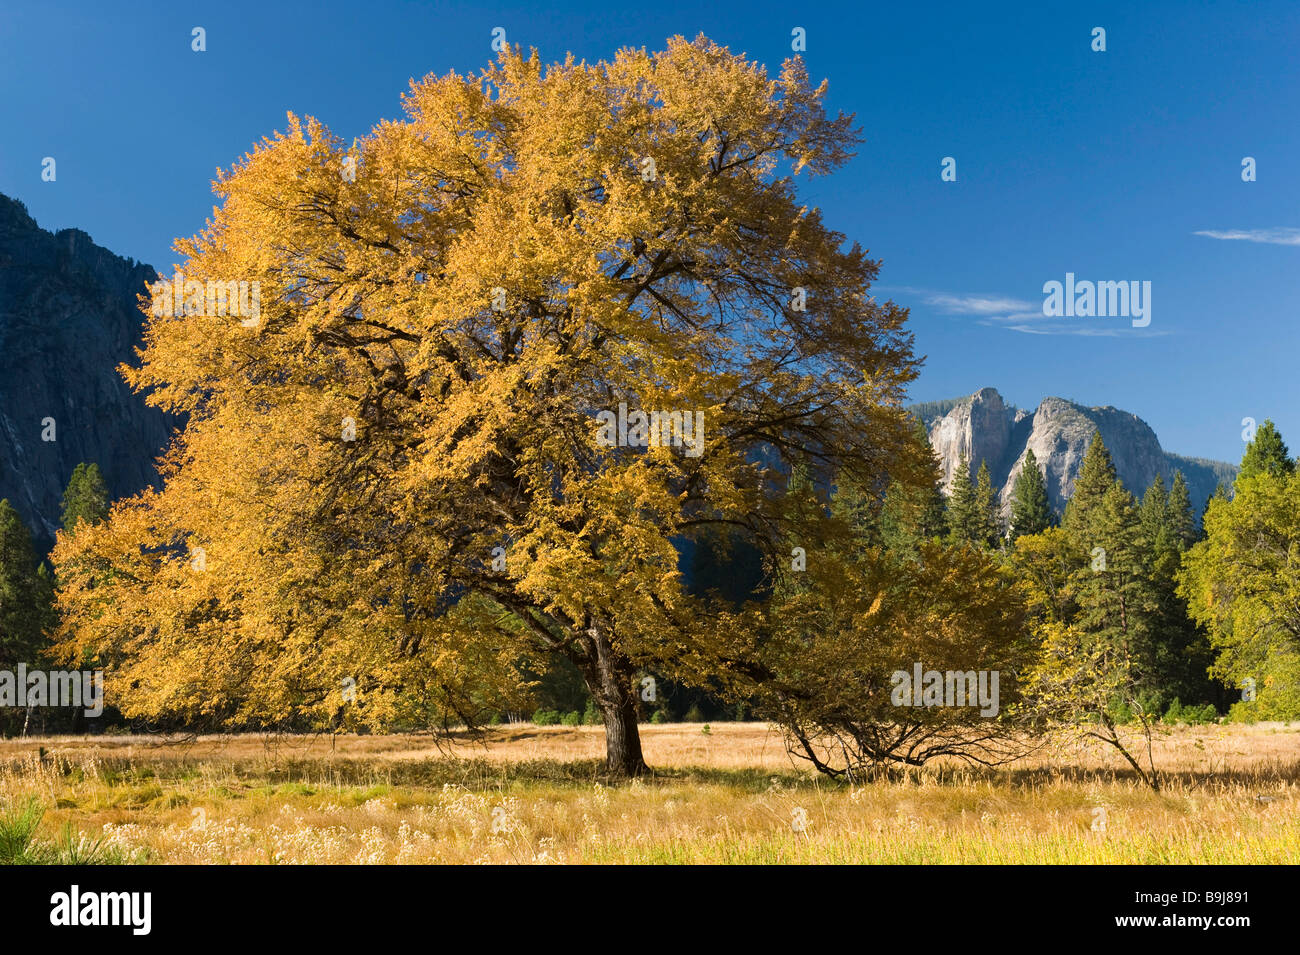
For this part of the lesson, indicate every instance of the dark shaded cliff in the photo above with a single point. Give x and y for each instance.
(68, 318)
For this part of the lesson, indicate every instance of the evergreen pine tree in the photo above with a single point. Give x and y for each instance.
(1181, 518)
(910, 515)
(1095, 478)
(1118, 603)
(1031, 511)
(1266, 453)
(24, 596)
(964, 524)
(930, 522)
(911, 512)
(1100, 666)
(989, 530)
(1155, 507)
(86, 497)
(1182, 652)
(1154, 516)
(861, 511)
(1240, 583)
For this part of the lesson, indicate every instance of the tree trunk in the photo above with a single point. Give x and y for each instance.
(623, 739)
(609, 678)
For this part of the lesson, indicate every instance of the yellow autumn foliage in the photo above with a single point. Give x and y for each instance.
(392, 473)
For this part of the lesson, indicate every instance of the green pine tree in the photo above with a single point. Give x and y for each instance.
(86, 497)
(860, 511)
(1095, 479)
(25, 595)
(1155, 507)
(986, 509)
(1119, 606)
(1181, 517)
(1181, 650)
(924, 504)
(964, 524)
(1154, 516)
(909, 513)
(1267, 452)
(1031, 511)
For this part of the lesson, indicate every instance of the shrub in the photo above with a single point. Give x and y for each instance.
(572, 719)
(658, 717)
(546, 717)
(1191, 715)
(592, 715)
(693, 715)
(17, 829)
(18, 845)
(1209, 714)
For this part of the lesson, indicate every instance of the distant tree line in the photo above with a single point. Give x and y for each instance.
(27, 612)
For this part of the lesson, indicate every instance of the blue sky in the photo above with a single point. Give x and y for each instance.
(1115, 165)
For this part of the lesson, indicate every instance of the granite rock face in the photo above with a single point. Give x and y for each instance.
(981, 427)
(68, 317)
(985, 428)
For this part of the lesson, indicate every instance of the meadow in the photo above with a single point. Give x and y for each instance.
(536, 795)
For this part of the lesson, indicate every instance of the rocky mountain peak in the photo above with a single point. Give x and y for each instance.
(984, 427)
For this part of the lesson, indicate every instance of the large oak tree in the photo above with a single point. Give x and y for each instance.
(394, 474)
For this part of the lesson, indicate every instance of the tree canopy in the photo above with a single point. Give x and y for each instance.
(1241, 582)
(398, 473)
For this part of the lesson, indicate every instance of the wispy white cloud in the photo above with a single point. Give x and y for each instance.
(1017, 314)
(1034, 316)
(977, 304)
(1056, 327)
(1280, 236)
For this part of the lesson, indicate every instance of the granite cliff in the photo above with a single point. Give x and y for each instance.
(68, 317)
(985, 428)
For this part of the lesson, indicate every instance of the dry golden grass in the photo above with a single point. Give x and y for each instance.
(535, 795)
